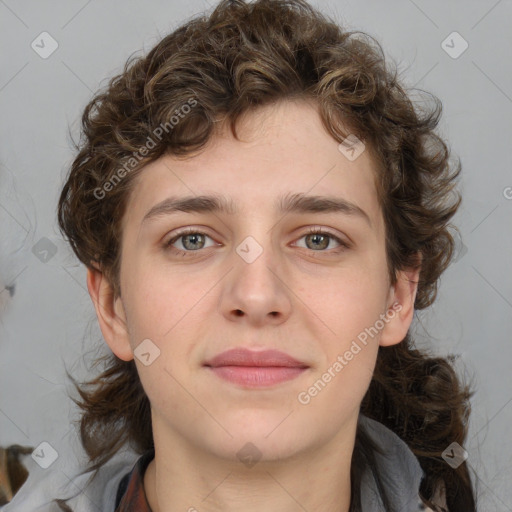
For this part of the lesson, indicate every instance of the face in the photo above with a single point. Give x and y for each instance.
(309, 280)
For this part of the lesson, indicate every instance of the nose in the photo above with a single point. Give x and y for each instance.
(255, 291)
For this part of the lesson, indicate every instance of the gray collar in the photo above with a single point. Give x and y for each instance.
(398, 468)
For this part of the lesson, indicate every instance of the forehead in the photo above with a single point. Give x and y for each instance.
(283, 149)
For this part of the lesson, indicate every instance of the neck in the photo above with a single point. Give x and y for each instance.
(181, 478)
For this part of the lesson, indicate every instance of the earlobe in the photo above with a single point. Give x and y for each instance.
(400, 311)
(110, 314)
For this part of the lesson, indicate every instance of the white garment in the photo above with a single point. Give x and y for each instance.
(398, 468)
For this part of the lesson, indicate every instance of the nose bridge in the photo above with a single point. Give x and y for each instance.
(255, 245)
(256, 262)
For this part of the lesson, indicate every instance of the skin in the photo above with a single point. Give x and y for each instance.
(304, 299)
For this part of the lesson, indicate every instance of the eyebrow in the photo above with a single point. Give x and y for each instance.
(289, 203)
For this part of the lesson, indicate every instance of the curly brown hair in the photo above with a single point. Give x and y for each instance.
(243, 55)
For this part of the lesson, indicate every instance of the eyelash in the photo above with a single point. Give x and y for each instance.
(312, 231)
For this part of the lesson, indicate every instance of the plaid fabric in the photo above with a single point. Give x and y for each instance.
(130, 494)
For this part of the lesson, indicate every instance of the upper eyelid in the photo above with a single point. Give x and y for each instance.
(324, 231)
(188, 231)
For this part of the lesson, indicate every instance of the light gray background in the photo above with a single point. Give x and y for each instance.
(49, 321)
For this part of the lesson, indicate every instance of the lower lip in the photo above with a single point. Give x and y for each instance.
(257, 376)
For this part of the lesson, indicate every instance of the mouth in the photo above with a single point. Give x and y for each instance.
(253, 369)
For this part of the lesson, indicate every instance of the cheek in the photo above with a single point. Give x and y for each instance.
(159, 297)
(348, 301)
(349, 306)
(352, 313)
(169, 308)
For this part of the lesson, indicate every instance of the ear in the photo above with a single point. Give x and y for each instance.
(400, 306)
(110, 313)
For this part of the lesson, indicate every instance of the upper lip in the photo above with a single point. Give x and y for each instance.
(245, 357)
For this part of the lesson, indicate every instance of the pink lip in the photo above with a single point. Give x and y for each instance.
(255, 369)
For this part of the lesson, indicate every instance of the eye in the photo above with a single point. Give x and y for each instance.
(191, 240)
(188, 241)
(318, 240)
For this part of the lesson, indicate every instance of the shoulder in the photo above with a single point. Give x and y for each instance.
(64, 479)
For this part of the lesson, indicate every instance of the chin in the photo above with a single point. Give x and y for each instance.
(250, 450)
(270, 434)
